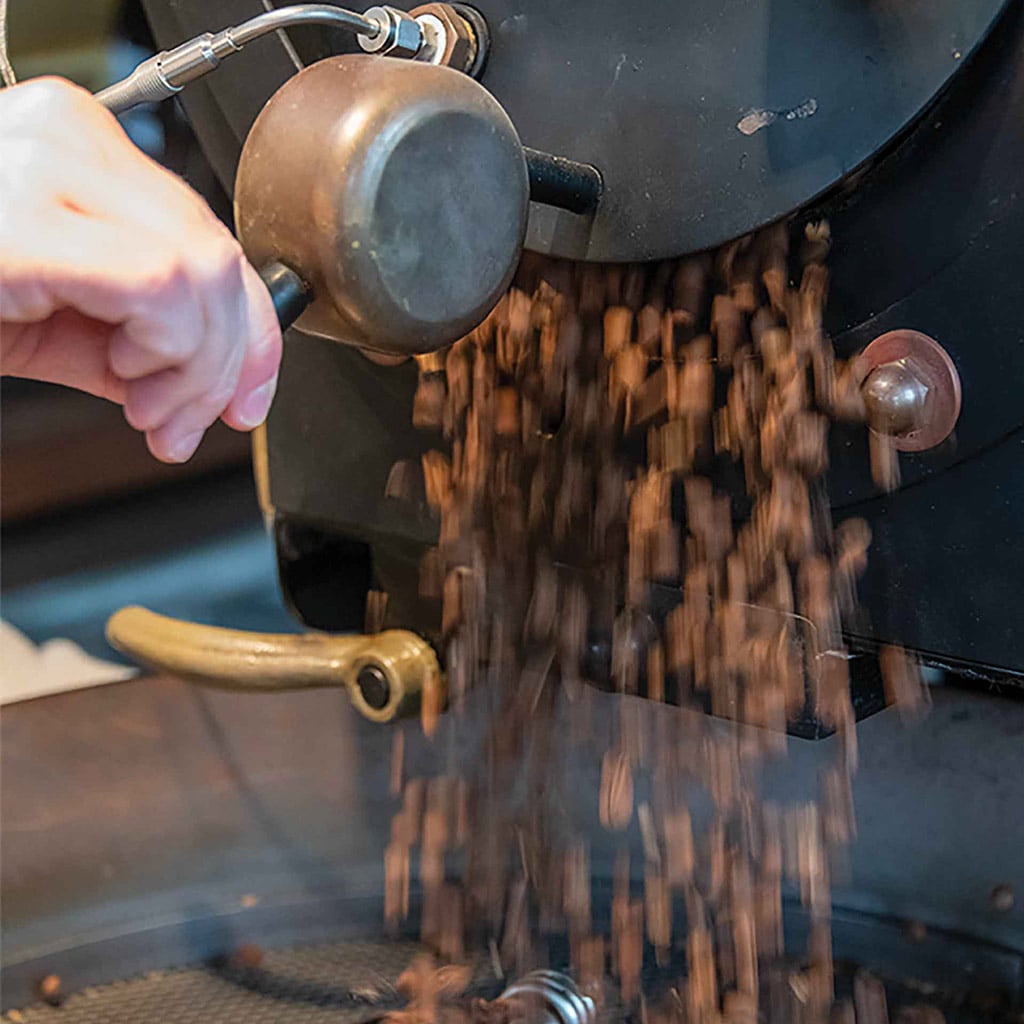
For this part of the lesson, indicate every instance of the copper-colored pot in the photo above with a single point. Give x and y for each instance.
(397, 190)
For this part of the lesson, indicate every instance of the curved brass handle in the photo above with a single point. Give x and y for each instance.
(388, 675)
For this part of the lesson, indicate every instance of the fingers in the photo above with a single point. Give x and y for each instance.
(66, 348)
(154, 300)
(232, 375)
(257, 381)
(178, 437)
(174, 405)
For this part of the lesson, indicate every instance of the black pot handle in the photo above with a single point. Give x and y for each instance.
(289, 293)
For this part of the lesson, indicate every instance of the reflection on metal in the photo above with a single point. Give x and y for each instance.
(261, 473)
(556, 993)
(911, 389)
(388, 675)
(391, 162)
(895, 398)
(456, 36)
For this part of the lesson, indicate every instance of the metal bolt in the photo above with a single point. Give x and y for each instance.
(895, 396)
(911, 389)
(374, 686)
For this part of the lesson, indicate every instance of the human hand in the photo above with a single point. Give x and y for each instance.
(117, 279)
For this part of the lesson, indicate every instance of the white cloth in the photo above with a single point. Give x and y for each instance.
(29, 670)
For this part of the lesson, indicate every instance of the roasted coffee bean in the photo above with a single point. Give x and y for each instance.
(602, 422)
(616, 791)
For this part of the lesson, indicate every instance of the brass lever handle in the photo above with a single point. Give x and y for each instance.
(388, 675)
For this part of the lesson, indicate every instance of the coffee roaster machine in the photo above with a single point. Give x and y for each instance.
(149, 825)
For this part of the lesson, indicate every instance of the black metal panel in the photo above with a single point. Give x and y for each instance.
(946, 569)
(933, 240)
(973, 307)
(324, 577)
(338, 425)
(655, 94)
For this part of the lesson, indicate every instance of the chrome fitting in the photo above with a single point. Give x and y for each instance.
(400, 35)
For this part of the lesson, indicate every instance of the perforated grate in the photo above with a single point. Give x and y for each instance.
(339, 983)
(354, 983)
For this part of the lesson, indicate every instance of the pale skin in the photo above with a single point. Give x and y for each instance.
(117, 279)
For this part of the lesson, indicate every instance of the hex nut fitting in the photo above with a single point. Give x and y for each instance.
(400, 36)
(453, 42)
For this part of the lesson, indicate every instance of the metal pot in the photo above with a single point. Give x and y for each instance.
(397, 191)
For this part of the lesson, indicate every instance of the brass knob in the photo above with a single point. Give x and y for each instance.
(388, 675)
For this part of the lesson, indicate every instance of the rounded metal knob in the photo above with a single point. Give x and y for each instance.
(397, 191)
(895, 397)
(911, 389)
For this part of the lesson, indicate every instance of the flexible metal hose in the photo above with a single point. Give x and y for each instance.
(164, 74)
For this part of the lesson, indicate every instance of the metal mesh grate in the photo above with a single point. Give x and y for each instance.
(339, 983)
(353, 983)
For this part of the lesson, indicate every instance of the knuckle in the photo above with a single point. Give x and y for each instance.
(230, 273)
(165, 282)
(219, 266)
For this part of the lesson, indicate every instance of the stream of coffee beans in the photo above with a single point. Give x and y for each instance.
(629, 481)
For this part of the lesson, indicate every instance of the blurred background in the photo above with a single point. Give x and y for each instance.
(90, 521)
